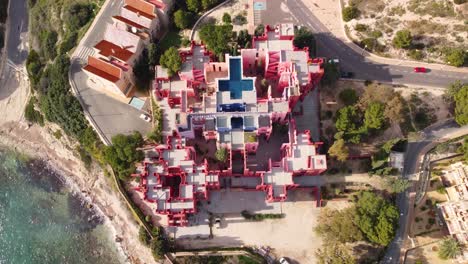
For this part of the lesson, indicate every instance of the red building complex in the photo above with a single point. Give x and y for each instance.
(242, 106)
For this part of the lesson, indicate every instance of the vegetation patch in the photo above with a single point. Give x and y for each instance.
(260, 217)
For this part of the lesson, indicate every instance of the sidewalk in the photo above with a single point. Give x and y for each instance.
(329, 13)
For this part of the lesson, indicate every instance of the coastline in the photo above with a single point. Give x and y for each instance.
(95, 189)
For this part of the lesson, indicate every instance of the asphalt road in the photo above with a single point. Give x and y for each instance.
(350, 60)
(109, 115)
(413, 155)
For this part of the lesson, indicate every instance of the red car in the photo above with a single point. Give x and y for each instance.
(420, 69)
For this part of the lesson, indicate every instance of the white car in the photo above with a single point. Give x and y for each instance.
(283, 261)
(145, 117)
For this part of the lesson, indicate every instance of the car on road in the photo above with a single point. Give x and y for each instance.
(420, 69)
(283, 261)
(218, 221)
(345, 74)
(145, 117)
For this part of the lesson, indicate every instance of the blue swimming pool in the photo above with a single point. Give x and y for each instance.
(259, 5)
(235, 85)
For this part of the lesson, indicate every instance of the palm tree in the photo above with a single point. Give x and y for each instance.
(449, 249)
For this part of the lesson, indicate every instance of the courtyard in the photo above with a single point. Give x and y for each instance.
(291, 236)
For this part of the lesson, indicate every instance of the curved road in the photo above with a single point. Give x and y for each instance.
(413, 155)
(352, 59)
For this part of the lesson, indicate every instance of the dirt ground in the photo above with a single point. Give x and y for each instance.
(291, 236)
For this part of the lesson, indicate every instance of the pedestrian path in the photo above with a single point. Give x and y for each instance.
(84, 52)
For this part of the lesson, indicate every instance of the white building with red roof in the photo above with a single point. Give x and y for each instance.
(123, 41)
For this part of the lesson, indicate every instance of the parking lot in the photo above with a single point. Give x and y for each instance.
(291, 236)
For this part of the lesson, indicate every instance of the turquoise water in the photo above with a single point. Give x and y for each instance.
(42, 222)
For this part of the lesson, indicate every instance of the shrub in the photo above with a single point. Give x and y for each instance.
(259, 30)
(460, 2)
(259, 217)
(456, 57)
(449, 249)
(182, 19)
(441, 189)
(350, 12)
(227, 18)
(403, 39)
(143, 236)
(79, 15)
(415, 54)
(431, 221)
(361, 27)
(31, 114)
(239, 19)
(376, 34)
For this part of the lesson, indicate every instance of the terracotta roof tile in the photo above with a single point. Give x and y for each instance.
(142, 6)
(103, 69)
(110, 49)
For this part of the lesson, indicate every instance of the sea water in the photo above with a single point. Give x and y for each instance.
(42, 221)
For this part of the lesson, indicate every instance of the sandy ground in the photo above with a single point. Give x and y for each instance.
(14, 93)
(292, 236)
(97, 189)
(389, 24)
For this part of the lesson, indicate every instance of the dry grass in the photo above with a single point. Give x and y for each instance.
(420, 27)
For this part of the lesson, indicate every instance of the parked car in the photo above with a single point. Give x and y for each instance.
(283, 261)
(345, 74)
(218, 221)
(334, 61)
(420, 69)
(145, 117)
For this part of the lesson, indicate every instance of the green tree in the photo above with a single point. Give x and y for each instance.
(376, 218)
(331, 74)
(153, 52)
(182, 19)
(338, 226)
(244, 39)
(303, 38)
(207, 4)
(227, 18)
(221, 154)
(79, 15)
(346, 119)
(461, 106)
(350, 12)
(339, 150)
(348, 96)
(143, 236)
(449, 249)
(194, 5)
(398, 185)
(143, 72)
(158, 248)
(123, 153)
(464, 148)
(334, 253)
(171, 60)
(374, 117)
(456, 57)
(403, 39)
(259, 30)
(216, 37)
